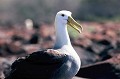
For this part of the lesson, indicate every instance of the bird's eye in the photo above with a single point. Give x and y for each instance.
(62, 15)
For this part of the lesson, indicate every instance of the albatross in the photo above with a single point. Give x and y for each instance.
(61, 62)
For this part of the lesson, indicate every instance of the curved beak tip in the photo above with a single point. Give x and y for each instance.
(74, 24)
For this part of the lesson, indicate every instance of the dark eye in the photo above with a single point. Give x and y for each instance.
(62, 15)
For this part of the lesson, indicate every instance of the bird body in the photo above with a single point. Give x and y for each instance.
(72, 65)
(61, 62)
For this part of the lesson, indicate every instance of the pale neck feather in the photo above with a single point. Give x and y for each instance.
(62, 37)
(63, 41)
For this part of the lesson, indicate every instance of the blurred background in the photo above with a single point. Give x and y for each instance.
(28, 25)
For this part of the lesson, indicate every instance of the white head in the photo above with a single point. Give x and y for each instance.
(64, 17)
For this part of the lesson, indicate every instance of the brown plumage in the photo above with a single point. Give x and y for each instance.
(31, 66)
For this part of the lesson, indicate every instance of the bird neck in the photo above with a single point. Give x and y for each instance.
(62, 37)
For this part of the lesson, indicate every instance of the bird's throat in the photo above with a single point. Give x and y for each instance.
(62, 37)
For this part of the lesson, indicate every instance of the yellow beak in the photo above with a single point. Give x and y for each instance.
(71, 22)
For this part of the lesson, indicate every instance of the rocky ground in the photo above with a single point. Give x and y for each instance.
(99, 42)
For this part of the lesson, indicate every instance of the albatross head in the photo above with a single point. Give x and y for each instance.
(64, 17)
